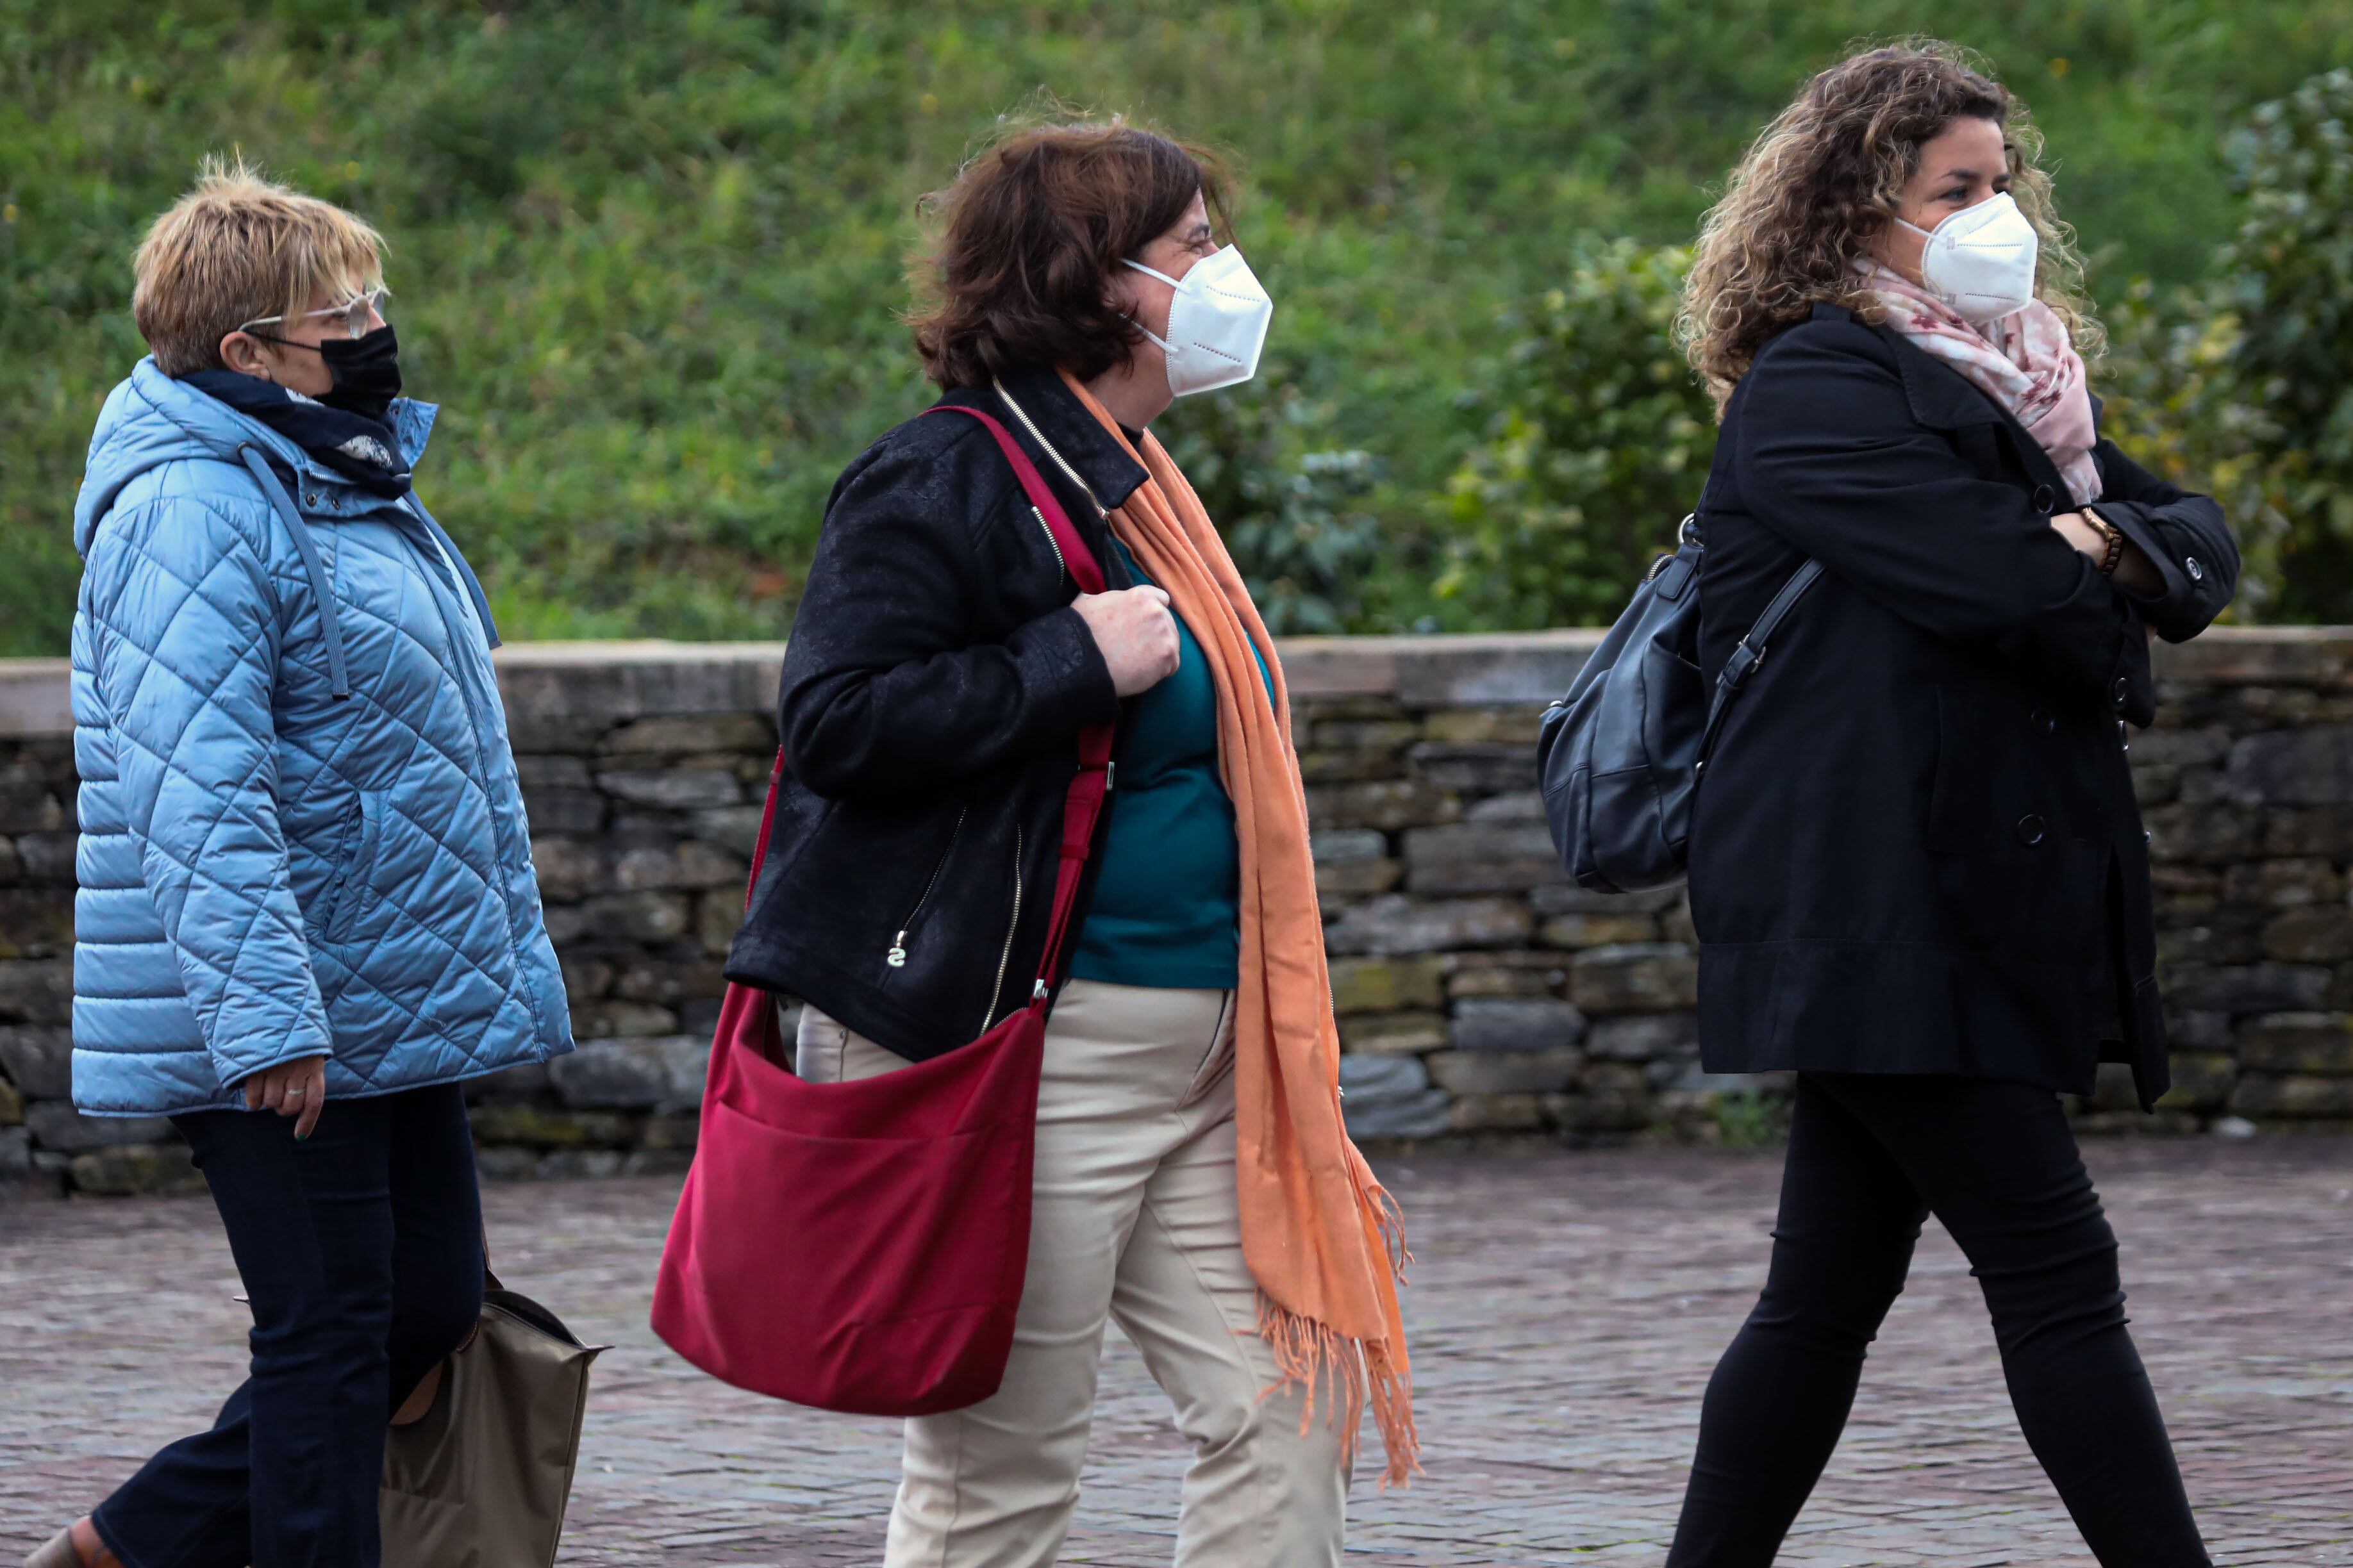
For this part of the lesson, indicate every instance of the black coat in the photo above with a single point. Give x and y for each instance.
(1916, 849)
(933, 691)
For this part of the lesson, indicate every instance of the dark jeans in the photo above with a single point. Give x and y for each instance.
(1870, 1158)
(361, 1251)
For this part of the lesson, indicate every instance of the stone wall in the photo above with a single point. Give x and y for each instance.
(1478, 993)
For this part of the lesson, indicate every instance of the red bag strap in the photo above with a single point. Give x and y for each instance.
(1082, 807)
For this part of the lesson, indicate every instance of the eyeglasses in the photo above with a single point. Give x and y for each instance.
(355, 311)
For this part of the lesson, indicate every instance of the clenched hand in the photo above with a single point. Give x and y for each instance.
(1135, 632)
(297, 1089)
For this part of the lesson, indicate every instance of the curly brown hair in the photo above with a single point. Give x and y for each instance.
(1820, 184)
(1029, 236)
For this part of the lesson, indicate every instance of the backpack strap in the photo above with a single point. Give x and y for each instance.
(1751, 653)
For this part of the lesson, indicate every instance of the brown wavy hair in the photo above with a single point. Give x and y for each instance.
(1820, 184)
(1028, 235)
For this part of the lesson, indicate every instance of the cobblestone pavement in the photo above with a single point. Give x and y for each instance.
(1566, 1310)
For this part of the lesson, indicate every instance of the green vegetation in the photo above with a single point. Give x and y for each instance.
(648, 254)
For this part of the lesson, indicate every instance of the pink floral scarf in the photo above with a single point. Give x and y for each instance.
(2023, 361)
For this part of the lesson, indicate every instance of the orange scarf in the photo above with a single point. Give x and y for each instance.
(1323, 1241)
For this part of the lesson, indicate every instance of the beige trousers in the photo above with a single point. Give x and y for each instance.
(1133, 1220)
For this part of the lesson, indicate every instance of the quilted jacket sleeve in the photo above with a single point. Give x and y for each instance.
(187, 654)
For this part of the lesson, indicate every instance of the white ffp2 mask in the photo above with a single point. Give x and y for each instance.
(1216, 323)
(1980, 260)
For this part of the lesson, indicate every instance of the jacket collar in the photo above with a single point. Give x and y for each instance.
(1944, 399)
(1109, 474)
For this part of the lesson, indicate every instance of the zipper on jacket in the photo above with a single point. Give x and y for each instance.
(897, 957)
(1052, 543)
(1005, 957)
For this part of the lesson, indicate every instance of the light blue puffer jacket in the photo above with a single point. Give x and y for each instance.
(297, 835)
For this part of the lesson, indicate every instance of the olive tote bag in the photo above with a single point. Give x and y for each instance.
(481, 1478)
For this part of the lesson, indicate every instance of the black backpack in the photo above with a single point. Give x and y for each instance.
(1621, 757)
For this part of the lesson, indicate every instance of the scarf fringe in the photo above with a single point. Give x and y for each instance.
(1348, 1374)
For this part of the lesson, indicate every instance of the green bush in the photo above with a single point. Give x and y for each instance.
(2243, 385)
(648, 254)
(1599, 443)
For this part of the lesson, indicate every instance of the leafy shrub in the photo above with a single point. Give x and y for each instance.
(1599, 442)
(1291, 510)
(2243, 385)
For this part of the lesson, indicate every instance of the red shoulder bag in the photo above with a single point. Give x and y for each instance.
(860, 1247)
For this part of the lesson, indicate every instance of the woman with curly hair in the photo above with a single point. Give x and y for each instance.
(1917, 869)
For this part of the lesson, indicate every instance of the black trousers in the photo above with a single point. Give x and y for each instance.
(361, 1251)
(1870, 1158)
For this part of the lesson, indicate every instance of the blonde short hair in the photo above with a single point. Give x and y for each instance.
(238, 247)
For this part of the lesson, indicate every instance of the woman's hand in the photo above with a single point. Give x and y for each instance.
(1135, 632)
(2134, 572)
(296, 1089)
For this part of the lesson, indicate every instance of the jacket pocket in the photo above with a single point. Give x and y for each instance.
(1957, 791)
(347, 893)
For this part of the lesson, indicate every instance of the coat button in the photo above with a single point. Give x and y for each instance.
(2043, 722)
(2120, 691)
(2044, 499)
(2195, 567)
(2030, 829)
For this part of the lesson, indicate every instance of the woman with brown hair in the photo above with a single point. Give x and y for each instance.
(1192, 1178)
(1917, 868)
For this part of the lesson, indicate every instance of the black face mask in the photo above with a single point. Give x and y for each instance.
(365, 372)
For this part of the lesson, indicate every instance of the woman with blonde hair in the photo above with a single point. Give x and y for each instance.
(1917, 868)
(1192, 1178)
(307, 911)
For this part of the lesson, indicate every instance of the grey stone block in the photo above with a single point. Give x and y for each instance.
(1640, 977)
(1482, 770)
(56, 1125)
(1645, 1037)
(2250, 988)
(1424, 1115)
(1519, 805)
(16, 1153)
(1370, 1079)
(564, 810)
(1396, 924)
(1340, 846)
(2298, 1043)
(524, 1082)
(2293, 767)
(690, 863)
(660, 1074)
(1569, 899)
(1515, 1023)
(673, 789)
(137, 1170)
(1480, 858)
(38, 1059)
(635, 917)
(1506, 1072)
(710, 732)
(731, 827)
(552, 770)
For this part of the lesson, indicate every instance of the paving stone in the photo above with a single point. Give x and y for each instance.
(1565, 1313)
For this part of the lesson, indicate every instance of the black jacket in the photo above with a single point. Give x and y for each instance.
(1917, 849)
(933, 691)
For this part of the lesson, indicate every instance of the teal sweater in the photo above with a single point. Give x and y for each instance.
(1166, 907)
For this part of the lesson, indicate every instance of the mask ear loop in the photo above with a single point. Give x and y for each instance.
(1172, 282)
